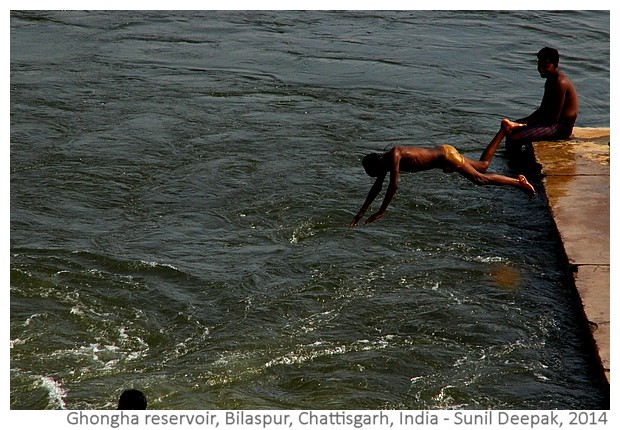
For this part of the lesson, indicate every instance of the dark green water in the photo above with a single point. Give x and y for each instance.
(182, 185)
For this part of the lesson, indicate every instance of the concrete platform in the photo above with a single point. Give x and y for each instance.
(576, 181)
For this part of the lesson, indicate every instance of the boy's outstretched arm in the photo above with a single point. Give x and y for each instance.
(372, 195)
(389, 194)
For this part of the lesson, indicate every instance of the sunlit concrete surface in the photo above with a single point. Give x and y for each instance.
(576, 176)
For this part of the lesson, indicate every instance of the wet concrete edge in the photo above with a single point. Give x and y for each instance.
(576, 182)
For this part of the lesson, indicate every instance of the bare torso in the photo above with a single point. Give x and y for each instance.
(414, 159)
(561, 90)
(571, 102)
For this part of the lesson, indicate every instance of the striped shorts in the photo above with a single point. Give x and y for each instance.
(557, 131)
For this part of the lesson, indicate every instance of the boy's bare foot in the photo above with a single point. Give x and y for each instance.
(526, 186)
(508, 125)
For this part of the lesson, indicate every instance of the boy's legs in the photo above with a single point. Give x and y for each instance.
(482, 165)
(479, 178)
(520, 136)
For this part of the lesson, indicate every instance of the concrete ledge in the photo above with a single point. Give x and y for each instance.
(576, 176)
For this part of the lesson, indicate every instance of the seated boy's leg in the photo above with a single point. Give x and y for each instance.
(535, 133)
(516, 141)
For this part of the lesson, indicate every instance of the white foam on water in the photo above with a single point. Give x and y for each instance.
(17, 342)
(55, 392)
(31, 318)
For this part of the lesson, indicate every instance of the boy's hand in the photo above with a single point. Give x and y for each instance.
(356, 219)
(375, 217)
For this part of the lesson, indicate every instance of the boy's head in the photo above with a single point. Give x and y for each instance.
(372, 164)
(549, 54)
(132, 399)
(548, 59)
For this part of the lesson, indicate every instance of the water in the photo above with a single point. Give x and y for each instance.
(182, 185)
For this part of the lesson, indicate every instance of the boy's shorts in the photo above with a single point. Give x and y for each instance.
(561, 130)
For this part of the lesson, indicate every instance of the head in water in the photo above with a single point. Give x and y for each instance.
(132, 400)
(372, 164)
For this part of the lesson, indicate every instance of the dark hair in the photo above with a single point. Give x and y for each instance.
(550, 54)
(132, 400)
(371, 164)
